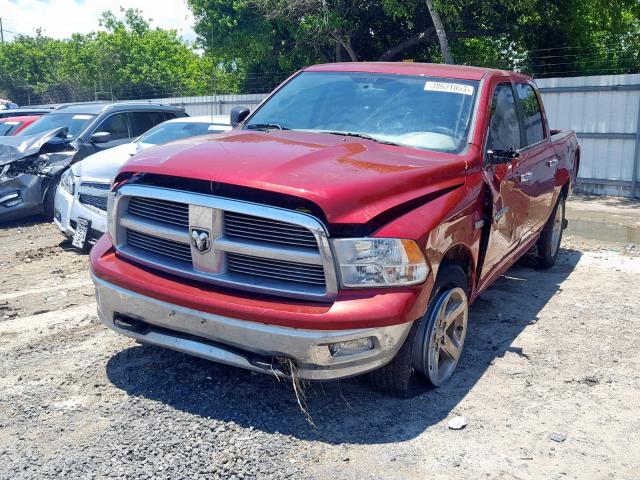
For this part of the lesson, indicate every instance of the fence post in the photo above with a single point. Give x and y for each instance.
(636, 157)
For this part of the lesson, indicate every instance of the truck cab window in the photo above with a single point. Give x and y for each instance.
(531, 113)
(504, 128)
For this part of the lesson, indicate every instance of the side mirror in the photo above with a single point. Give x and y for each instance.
(238, 114)
(499, 157)
(100, 137)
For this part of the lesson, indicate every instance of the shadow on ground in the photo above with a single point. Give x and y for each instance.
(346, 411)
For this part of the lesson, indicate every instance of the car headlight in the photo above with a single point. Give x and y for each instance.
(379, 262)
(68, 181)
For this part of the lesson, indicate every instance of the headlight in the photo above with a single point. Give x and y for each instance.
(67, 181)
(380, 262)
(111, 215)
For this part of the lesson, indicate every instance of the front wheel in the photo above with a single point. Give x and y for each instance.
(433, 347)
(551, 236)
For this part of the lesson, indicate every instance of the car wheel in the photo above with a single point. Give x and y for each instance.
(49, 199)
(551, 236)
(432, 350)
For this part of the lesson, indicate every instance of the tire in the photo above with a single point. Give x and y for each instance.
(548, 244)
(413, 368)
(49, 199)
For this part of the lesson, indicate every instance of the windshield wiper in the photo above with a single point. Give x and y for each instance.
(363, 135)
(266, 126)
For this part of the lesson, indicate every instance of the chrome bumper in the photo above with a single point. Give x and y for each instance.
(251, 345)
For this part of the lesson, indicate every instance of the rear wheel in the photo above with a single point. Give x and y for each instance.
(431, 352)
(551, 236)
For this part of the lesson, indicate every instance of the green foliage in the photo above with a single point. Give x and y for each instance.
(128, 60)
(542, 37)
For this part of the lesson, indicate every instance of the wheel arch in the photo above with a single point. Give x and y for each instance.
(460, 254)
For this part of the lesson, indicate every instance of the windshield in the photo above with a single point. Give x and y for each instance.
(7, 127)
(170, 131)
(416, 111)
(75, 123)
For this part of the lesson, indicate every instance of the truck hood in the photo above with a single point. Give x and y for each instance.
(352, 180)
(104, 165)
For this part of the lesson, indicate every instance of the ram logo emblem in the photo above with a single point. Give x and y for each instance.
(200, 240)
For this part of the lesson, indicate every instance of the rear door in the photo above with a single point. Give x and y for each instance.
(537, 158)
(143, 121)
(510, 203)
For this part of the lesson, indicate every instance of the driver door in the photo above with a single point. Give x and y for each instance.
(117, 125)
(510, 202)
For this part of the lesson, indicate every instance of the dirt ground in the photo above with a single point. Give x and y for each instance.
(549, 356)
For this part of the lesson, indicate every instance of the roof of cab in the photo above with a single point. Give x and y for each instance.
(410, 68)
(99, 107)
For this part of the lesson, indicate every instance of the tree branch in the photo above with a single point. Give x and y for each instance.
(408, 43)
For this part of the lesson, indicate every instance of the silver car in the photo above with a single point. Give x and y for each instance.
(80, 205)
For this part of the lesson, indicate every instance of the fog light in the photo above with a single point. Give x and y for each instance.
(58, 215)
(11, 200)
(351, 347)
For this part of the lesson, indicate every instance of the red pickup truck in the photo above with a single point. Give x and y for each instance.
(343, 227)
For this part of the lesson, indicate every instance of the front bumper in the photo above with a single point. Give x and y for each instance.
(250, 345)
(67, 209)
(20, 196)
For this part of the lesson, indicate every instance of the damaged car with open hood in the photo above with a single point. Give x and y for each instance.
(32, 163)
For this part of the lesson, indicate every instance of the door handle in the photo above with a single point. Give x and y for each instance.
(552, 163)
(525, 177)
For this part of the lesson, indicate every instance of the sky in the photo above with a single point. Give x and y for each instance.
(61, 18)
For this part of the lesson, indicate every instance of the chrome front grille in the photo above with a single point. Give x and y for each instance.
(237, 225)
(93, 201)
(160, 210)
(251, 247)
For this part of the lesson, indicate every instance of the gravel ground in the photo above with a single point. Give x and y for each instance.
(550, 355)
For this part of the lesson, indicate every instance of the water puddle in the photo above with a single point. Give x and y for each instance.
(603, 231)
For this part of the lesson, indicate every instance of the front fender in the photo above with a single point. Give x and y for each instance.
(439, 225)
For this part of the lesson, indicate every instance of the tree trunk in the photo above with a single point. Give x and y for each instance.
(442, 36)
(345, 41)
(410, 42)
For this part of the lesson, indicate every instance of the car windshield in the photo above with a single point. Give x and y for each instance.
(170, 131)
(7, 127)
(75, 124)
(415, 111)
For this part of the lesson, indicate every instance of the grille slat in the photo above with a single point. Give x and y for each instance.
(250, 235)
(96, 185)
(160, 210)
(256, 228)
(278, 230)
(158, 245)
(276, 265)
(263, 267)
(93, 201)
(161, 215)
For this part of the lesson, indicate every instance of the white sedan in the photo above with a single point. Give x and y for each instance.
(80, 208)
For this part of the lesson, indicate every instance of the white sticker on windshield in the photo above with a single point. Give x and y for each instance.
(448, 87)
(82, 117)
(216, 128)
